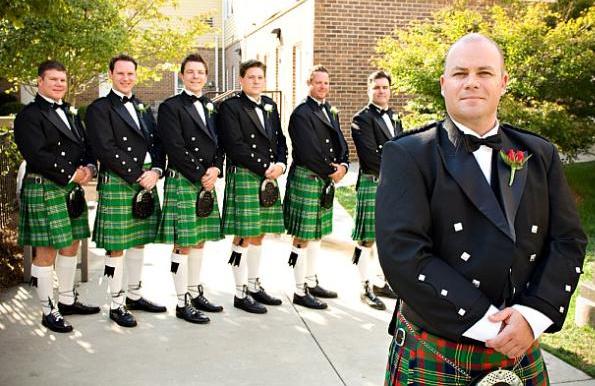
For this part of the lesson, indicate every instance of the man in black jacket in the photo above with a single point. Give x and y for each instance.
(186, 124)
(122, 133)
(256, 153)
(478, 233)
(49, 135)
(320, 159)
(371, 127)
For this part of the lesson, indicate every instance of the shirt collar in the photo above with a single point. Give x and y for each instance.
(378, 107)
(253, 100)
(50, 100)
(466, 130)
(118, 93)
(191, 93)
(320, 102)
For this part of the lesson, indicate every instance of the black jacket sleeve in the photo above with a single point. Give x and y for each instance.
(305, 140)
(362, 132)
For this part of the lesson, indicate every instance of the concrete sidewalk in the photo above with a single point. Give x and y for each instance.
(290, 345)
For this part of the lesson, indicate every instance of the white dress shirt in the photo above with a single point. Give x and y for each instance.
(387, 120)
(133, 113)
(198, 106)
(260, 114)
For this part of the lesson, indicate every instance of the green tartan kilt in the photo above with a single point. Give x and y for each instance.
(415, 364)
(303, 215)
(115, 228)
(43, 217)
(179, 223)
(365, 216)
(243, 215)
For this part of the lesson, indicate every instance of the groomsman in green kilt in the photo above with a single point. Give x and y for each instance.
(49, 135)
(186, 126)
(123, 136)
(371, 127)
(254, 143)
(320, 159)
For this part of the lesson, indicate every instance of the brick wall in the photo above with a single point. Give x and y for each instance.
(345, 34)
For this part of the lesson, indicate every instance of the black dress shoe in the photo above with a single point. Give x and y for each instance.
(122, 317)
(191, 314)
(77, 308)
(385, 291)
(55, 322)
(263, 297)
(248, 304)
(309, 301)
(143, 304)
(203, 304)
(320, 292)
(371, 299)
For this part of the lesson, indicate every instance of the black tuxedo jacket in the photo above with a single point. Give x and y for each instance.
(120, 145)
(449, 249)
(245, 141)
(190, 145)
(48, 145)
(316, 141)
(370, 133)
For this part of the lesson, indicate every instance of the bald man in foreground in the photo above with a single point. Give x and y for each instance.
(478, 234)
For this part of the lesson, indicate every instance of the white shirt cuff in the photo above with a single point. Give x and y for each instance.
(346, 166)
(537, 320)
(283, 166)
(484, 329)
(93, 169)
(158, 171)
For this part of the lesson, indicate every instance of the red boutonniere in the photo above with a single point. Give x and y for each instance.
(516, 160)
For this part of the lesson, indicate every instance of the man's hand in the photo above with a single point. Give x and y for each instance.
(516, 336)
(148, 179)
(273, 172)
(340, 171)
(209, 179)
(82, 175)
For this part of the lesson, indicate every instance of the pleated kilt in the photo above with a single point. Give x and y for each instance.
(242, 214)
(43, 217)
(303, 215)
(365, 215)
(115, 228)
(179, 223)
(414, 364)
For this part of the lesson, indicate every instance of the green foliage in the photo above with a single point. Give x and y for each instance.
(549, 56)
(85, 34)
(11, 108)
(9, 152)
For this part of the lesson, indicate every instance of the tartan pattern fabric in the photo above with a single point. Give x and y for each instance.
(420, 366)
(115, 228)
(242, 214)
(43, 217)
(303, 215)
(365, 215)
(179, 223)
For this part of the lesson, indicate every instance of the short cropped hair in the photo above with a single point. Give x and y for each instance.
(50, 65)
(244, 66)
(193, 58)
(122, 57)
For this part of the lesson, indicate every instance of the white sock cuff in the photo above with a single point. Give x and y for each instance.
(179, 258)
(297, 250)
(238, 249)
(113, 261)
(39, 271)
(196, 253)
(254, 249)
(135, 253)
(66, 261)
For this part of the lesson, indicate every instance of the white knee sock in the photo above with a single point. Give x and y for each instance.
(363, 263)
(194, 268)
(44, 287)
(253, 259)
(114, 270)
(379, 280)
(312, 266)
(240, 273)
(66, 270)
(135, 258)
(299, 269)
(179, 265)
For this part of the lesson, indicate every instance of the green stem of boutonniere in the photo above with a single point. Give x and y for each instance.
(511, 180)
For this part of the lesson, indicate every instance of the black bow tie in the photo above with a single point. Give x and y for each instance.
(56, 106)
(125, 99)
(386, 111)
(194, 98)
(472, 143)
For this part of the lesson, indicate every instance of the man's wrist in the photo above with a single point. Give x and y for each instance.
(158, 171)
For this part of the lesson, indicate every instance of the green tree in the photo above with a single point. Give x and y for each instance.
(549, 56)
(85, 34)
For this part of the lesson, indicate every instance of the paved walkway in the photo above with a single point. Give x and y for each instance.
(344, 345)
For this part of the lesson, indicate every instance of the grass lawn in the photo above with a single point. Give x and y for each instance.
(573, 344)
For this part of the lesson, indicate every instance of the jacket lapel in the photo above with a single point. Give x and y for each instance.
(380, 121)
(53, 117)
(118, 106)
(191, 110)
(253, 116)
(511, 195)
(464, 169)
